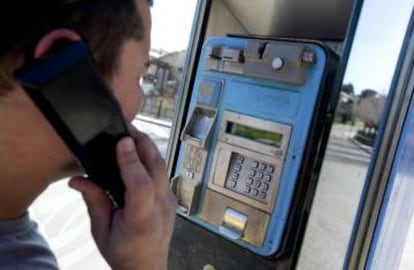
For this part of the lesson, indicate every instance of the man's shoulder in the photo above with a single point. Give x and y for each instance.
(23, 247)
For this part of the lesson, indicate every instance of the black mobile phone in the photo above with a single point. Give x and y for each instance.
(69, 90)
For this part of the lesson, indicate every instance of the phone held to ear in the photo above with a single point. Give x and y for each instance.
(72, 94)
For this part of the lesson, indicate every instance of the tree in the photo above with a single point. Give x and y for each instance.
(368, 93)
(348, 89)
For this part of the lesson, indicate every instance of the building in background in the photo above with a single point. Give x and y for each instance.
(160, 83)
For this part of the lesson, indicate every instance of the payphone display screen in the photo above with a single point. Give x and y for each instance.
(258, 135)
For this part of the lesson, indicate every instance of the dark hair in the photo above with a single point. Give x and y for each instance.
(104, 24)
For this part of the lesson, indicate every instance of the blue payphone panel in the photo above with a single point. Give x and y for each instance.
(245, 136)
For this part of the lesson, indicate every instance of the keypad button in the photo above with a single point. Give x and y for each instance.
(255, 192)
(265, 186)
(252, 173)
(189, 174)
(240, 159)
(262, 166)
(262, 195)
(260, 175)
(247, 189)
(249, 181)
(255, 164)
(237, 167)
(235, 176)
(232, 184)
(270, 169)
(257, 184)
(267, 178)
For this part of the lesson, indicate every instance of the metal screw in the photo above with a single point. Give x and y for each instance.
(309, 57)
(209, 267)
(277, 63)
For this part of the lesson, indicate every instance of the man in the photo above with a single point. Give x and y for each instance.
(32, 155)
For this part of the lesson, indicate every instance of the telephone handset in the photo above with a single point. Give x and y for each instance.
(71, 93)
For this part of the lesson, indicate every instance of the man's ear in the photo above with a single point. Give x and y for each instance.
(48, 42)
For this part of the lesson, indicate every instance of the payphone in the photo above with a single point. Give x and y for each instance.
(246, 135)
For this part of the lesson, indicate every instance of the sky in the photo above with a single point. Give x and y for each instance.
(171, 24)
(373, 57)
(377, 44)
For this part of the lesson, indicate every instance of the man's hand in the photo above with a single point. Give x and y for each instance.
(137, 236)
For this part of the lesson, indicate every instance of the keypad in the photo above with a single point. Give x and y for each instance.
(250, 177)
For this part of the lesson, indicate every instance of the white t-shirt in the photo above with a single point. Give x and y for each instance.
(22, 247)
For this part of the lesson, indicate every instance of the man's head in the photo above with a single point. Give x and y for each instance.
(104, 24)
(117, 31)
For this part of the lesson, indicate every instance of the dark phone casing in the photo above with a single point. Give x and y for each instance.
(71, 93)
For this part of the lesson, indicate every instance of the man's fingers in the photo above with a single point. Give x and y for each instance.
(98, 204)
(138, 184)
(152, 160)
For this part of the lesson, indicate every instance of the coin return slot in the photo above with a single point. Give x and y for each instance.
(234, 224)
